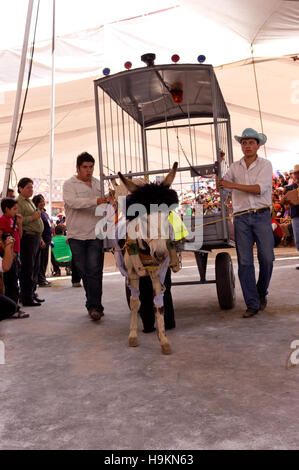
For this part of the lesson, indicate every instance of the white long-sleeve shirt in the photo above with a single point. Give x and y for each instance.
(259, 172)
(80, 202)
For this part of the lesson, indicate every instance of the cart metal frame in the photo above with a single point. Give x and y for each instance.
(142, 100)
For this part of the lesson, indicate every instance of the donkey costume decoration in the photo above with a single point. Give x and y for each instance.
(146, 255)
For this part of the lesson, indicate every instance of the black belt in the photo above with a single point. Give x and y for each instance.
(255, 211)
(26, 232)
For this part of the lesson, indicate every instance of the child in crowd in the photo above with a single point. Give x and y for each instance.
(61, 252)
(277, 232)
(11, 223)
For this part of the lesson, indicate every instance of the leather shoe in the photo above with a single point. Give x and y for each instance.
(95, 314)
(32, 303)
(263, 303)
(45, 284)
(250, 312)
(149, 329)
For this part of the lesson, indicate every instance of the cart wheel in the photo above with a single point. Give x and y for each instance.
(225, 281)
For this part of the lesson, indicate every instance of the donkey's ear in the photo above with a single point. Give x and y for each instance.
(114, 183)
(112, 193)
(128, 183)
(171, 175)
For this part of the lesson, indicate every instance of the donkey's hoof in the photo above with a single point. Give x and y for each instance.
(166, 349)
(133, 342)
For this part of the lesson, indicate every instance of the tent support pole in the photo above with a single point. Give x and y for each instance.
(52, 112)
(258, 96)
(13, 131)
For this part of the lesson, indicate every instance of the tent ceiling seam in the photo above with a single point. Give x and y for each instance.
(263, 24)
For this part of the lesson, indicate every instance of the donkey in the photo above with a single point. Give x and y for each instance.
(146, 255)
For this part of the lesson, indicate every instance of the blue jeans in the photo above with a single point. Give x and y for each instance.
(295, 225)
(88, 257)
(250, 228)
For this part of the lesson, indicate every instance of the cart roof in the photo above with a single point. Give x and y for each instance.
(144, 93)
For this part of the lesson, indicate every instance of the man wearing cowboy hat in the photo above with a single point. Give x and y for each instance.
(292, 198)
(250, 180)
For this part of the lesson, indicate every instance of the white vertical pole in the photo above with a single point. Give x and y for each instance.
(17, 102)
(2, 352)
(48, 271)
(52, 113)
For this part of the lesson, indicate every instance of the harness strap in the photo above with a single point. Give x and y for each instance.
(173, 257)
(132, 249)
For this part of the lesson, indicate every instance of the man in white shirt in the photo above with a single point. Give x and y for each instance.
(250, 180)
(81, 195)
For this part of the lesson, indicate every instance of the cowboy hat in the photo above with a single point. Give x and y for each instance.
(296, 168)
(249, 133)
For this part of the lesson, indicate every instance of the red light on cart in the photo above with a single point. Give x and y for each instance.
(177, 92)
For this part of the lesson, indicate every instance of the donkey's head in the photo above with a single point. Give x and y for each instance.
(148, 207)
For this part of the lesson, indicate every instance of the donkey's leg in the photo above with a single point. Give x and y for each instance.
(159, 314)
(134, 306)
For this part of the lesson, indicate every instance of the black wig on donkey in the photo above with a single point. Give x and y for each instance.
(151, 196)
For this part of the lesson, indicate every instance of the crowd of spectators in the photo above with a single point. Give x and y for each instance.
(30, 246)
(205, 195)
(280, 212)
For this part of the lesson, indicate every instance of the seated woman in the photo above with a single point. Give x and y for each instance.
(7, 306)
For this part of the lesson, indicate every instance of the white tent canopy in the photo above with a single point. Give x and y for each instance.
(91, 35)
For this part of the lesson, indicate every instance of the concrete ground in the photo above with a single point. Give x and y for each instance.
(70, 383)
